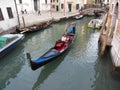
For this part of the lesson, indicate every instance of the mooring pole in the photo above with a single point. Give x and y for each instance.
(23, 22)
(106, 36)
(103, 25)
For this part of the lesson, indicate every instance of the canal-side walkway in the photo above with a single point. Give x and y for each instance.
(33, 18)
(30, 19)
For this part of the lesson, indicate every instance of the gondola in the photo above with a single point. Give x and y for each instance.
(59, 47)
(34, 28)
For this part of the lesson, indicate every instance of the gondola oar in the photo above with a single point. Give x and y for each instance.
(66, 28)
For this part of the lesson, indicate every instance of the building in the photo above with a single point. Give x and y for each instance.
(111, 35)
(8, 15)
(67, 5)
(115, 31)
(28, 5)
(32, 6)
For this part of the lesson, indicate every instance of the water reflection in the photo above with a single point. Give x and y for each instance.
(77, 69)
(104, 80)
(47, 70)
(10, 66)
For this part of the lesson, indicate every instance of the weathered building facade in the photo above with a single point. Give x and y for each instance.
(67, 5)
(11, 10)
(8, 15)
(33, 5)
(115, 31)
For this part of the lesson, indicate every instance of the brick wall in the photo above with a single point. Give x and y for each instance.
(118, 28)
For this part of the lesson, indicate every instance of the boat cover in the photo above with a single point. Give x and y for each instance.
(2, 41)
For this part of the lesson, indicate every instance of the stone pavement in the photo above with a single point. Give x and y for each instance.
(33, 18)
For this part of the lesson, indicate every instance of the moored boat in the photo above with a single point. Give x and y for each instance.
(60, 46)
(95, 23)
(34, 28)
(78, 17)
(8, 42)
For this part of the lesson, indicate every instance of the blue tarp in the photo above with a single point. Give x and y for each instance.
(2, 41)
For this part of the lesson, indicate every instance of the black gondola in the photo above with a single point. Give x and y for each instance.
(60, 46)
(34, 28)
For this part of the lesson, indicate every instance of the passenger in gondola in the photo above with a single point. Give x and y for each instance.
(59, 44)
(64, 38)
(34, 26)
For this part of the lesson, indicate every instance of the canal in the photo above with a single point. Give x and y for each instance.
(79, 68)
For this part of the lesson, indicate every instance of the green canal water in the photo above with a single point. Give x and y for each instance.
(79, 68)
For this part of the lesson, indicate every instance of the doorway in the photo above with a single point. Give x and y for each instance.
(69, 7)
(36, 5)
(57, 8)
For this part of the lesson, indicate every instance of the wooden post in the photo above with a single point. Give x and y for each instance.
(23, 22)
(17, 12)
(64, 7)
(51, 8)
(106, 37)
(103, 25)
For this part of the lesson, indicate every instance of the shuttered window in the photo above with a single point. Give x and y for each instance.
(20, 1)
(77, 6)
(62, 6)
(1, 15)
(9, 10)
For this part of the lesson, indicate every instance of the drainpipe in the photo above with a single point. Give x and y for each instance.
(64, 7)
(17, 13)
(51, 8)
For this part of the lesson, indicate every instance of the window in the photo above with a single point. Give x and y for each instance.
(20, 1)
(10, 14)
(62, 6)
(1, 15)
(53, 6)
(45, 1)
(77, 6)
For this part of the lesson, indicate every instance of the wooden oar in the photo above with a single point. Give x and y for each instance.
(66, 28)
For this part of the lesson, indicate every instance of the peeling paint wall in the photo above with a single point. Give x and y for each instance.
(8, 23)
(115, 50)
(70, 5)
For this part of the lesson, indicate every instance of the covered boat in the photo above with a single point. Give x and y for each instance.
(8, 42)
(95, 23)
(60, 46)
(34, 28)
